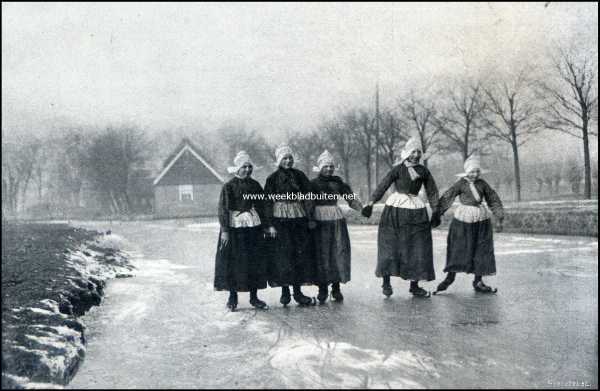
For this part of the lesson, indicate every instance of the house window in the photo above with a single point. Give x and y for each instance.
(186, 193)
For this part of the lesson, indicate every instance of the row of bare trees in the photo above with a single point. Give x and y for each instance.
(62, 162)
(468, 116)
(503, 111)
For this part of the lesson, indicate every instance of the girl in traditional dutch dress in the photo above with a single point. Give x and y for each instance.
(330, 237)
(470, 237)
(404, 244)
(291, 262)
(240, 264)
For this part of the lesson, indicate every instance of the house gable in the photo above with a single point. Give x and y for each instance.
(188, 167)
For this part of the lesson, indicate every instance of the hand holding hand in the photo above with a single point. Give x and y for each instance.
(272, 232)
(499, 226)
(367, 210)
(224, 239)
(436, 220)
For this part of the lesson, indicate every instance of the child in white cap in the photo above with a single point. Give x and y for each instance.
(291, 261)
(404, 243)
(330, 236)
(240, 265)
(470, 244)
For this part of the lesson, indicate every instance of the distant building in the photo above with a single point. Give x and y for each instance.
(188, 185)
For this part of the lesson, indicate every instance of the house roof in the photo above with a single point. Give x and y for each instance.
(186, 145)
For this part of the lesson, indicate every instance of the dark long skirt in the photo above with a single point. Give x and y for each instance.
(471, 248)
(242, 264)
(332, 251)
(404, 244)
(291, 259)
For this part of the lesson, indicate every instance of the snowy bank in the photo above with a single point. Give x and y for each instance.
(51, 276)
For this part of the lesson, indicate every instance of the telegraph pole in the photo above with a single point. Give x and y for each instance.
(377, 133)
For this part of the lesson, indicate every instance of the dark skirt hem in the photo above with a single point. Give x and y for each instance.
(462, 270)
(332, 252)
(244, 289)
(405, 245)
(291, 261)
(408, 277)
(241, 265)
(470, 248)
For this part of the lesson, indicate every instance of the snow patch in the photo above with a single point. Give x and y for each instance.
(26, 384)
(545, 250)
(202, 226)
(343, 365)
(111, 241)
(551, 240)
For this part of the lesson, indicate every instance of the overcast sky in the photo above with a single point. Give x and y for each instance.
(273, 66)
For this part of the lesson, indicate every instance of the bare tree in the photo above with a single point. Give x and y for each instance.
(462, 118)
(238, 137)
(513, 118)
(362, 124)
(392, 131)
(570, 101)
(338, 138)
(308, 147)
(69, 153)
(573, 175)
(112, 156)
(19, 157)
(420, 114)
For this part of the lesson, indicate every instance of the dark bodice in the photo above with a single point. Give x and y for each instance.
(400, 177)
(466, 197)
(234, 197)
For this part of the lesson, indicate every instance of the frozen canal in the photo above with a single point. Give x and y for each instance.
(167, 328)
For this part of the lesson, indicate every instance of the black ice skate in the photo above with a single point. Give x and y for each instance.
(417, 291)
(387, 290)
(232, 302)
(444, 285)
(323, 293)
(285, 296)
(258, 303)
(336, 293)
(303, 300)
(480, 287)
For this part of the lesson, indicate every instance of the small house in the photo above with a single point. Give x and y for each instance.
(188, 185)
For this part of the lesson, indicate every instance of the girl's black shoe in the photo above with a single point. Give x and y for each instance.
(232, 302)
(417, 291)
(336, 293)
(258, 303)
(480, 287)
(323, 293)
(387, 290)
(301, 299)
(285, 296)
(443, 285)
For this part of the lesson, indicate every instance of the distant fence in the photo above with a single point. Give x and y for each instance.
(578, 218)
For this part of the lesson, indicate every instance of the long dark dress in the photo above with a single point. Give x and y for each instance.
(330, 238)
(470, 244)
(404, 244)
(241, 265)
(291, 260)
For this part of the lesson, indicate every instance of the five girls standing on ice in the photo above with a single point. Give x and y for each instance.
(308, 238)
